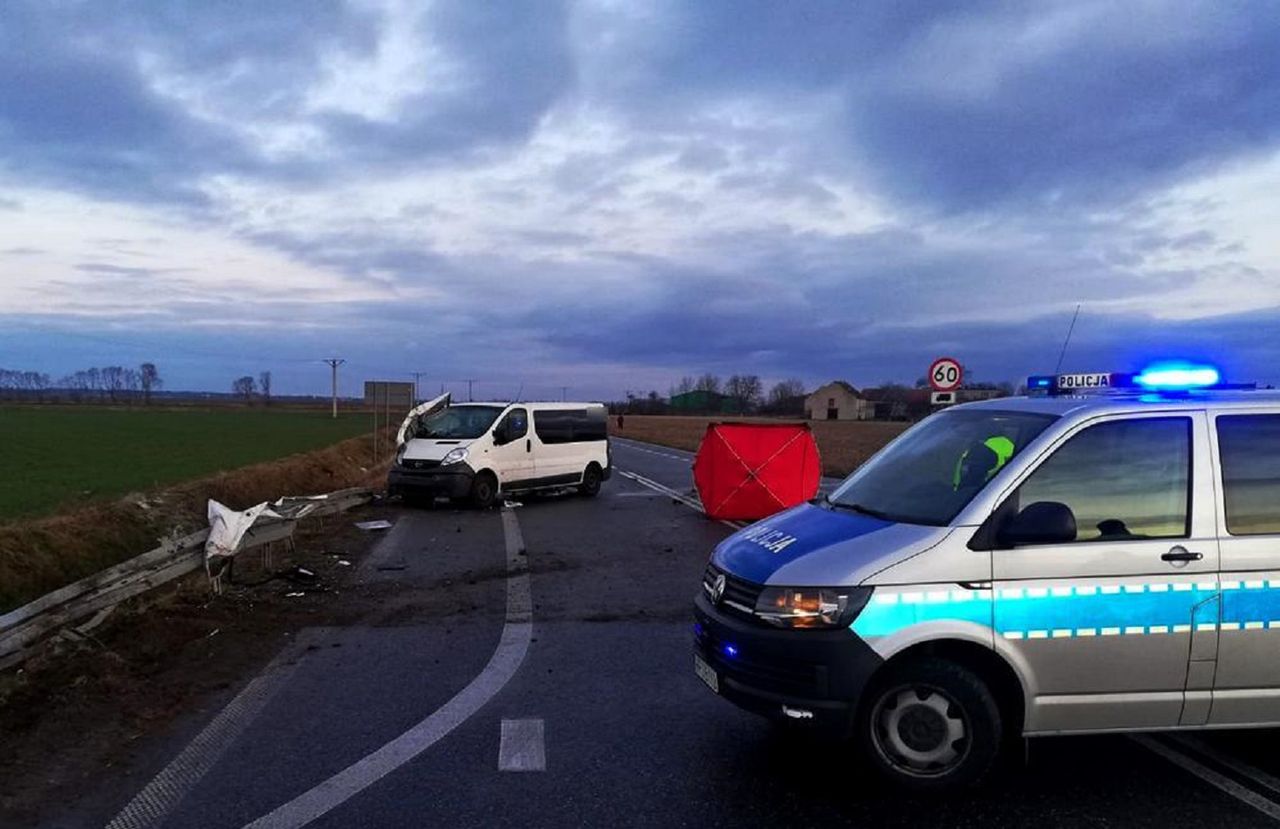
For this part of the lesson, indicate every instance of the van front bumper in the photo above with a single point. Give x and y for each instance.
(763, 669)
(453, 481)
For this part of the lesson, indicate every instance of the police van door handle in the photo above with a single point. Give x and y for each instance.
(1181, 554)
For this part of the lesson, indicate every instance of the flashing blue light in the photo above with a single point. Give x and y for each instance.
(1177, 376)
(730, 651)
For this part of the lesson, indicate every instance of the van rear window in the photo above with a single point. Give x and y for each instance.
(570, 425)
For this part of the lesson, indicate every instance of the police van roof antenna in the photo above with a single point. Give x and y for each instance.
(519, 393)
(1067, 341)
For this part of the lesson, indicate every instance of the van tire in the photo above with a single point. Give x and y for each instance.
(484, 490)
(591, 478)
(908, 715)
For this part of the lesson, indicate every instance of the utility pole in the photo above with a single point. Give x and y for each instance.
(470, 397)
(334, 362)
(416, 375)
(564, 393)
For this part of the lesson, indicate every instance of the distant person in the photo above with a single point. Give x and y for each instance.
(619, 422)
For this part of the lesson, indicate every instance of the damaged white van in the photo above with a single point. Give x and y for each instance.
(478, 451)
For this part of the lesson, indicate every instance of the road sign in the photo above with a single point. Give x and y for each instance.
(942, 398)
(945, 374)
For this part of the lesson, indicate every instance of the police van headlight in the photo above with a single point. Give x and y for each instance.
(454, 456)
(811, 607)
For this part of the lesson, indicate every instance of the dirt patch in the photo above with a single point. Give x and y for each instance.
(81, 708)
(843, 444)
(40, 556)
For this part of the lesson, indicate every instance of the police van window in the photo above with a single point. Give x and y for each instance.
(516, 424)
(1249, 446)
(1121, 480)
(934, 469)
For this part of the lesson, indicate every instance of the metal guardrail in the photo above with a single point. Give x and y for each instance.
(25, 629)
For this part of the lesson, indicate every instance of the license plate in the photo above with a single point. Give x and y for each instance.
(706, 673)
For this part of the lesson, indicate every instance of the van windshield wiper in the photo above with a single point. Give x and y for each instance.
(859, 508)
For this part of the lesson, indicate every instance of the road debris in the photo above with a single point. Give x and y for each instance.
(382, 524)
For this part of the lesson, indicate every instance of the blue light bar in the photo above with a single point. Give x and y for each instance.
(1177, 376)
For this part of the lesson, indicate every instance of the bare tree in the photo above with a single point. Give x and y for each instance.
(244, 387)
(113, 381)
(264, 386)
(708, 382)
(150, 379)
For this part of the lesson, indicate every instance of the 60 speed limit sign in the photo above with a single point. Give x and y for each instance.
(945, 374)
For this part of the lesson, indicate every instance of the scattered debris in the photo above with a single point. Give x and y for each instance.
(294, 594)
(382, 524)
(342, 562)
(393, 565)
(512, 504)
(213, 633)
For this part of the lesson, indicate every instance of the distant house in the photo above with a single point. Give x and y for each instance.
(838, 400)
(704, 402)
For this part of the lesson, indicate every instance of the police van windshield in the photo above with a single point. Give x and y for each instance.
(458, 422)
(929, 474)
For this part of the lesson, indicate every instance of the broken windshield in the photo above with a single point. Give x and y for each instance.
(458, 422)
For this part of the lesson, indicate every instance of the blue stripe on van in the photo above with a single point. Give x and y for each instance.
(757, 552)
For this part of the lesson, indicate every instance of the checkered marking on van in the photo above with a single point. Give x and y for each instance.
(1075, 611)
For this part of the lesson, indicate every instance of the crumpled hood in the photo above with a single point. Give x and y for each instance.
(426, 449)
(808, 546)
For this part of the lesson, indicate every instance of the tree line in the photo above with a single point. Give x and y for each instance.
(113, 384)
(246, 388)
(745, 393)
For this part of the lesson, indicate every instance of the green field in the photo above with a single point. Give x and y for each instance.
(55, 457)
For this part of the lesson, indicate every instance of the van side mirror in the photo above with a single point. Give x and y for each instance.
(1044, 522)
(500, 433)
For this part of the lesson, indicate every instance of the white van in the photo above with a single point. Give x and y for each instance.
(479, 451)
(1060, 564)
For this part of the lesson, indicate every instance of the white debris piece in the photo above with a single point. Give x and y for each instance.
(374, 525)
(227, 528)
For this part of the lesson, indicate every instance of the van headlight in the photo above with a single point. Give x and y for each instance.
(811, 607)
(454, 456)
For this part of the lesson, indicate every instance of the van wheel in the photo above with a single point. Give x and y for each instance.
(591, 478)
(484, 490)
(929, 725)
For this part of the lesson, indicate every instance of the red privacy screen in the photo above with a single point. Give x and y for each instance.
(747, 471)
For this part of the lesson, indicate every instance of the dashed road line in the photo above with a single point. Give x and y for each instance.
(521, 746)
(512, 647)
(166, 790)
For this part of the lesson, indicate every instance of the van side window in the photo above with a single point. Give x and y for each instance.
(570, 425)
(516, 424)
(1122, 480)
(1249, 446)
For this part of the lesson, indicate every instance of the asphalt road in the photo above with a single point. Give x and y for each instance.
(538, 672)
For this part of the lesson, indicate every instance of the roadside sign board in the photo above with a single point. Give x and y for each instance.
(942, 398)
(945, 374)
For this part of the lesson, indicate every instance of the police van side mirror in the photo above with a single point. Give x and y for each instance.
(1044, 522)
(500, 434)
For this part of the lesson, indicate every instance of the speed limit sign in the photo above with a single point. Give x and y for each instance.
(945, 374)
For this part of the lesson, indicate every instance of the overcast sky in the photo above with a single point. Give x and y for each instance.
(607, 195)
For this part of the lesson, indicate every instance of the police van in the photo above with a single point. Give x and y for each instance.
(480, 451)
(1063, 563)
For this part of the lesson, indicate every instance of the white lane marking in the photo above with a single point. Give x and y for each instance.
(1240, 767)
(1208, 775)
(512, 647)
(521, 747)
(671, 493)
(166, 790)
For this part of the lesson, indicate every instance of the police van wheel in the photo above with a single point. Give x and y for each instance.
(591, 479)
(484, 490)
(931, 724)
